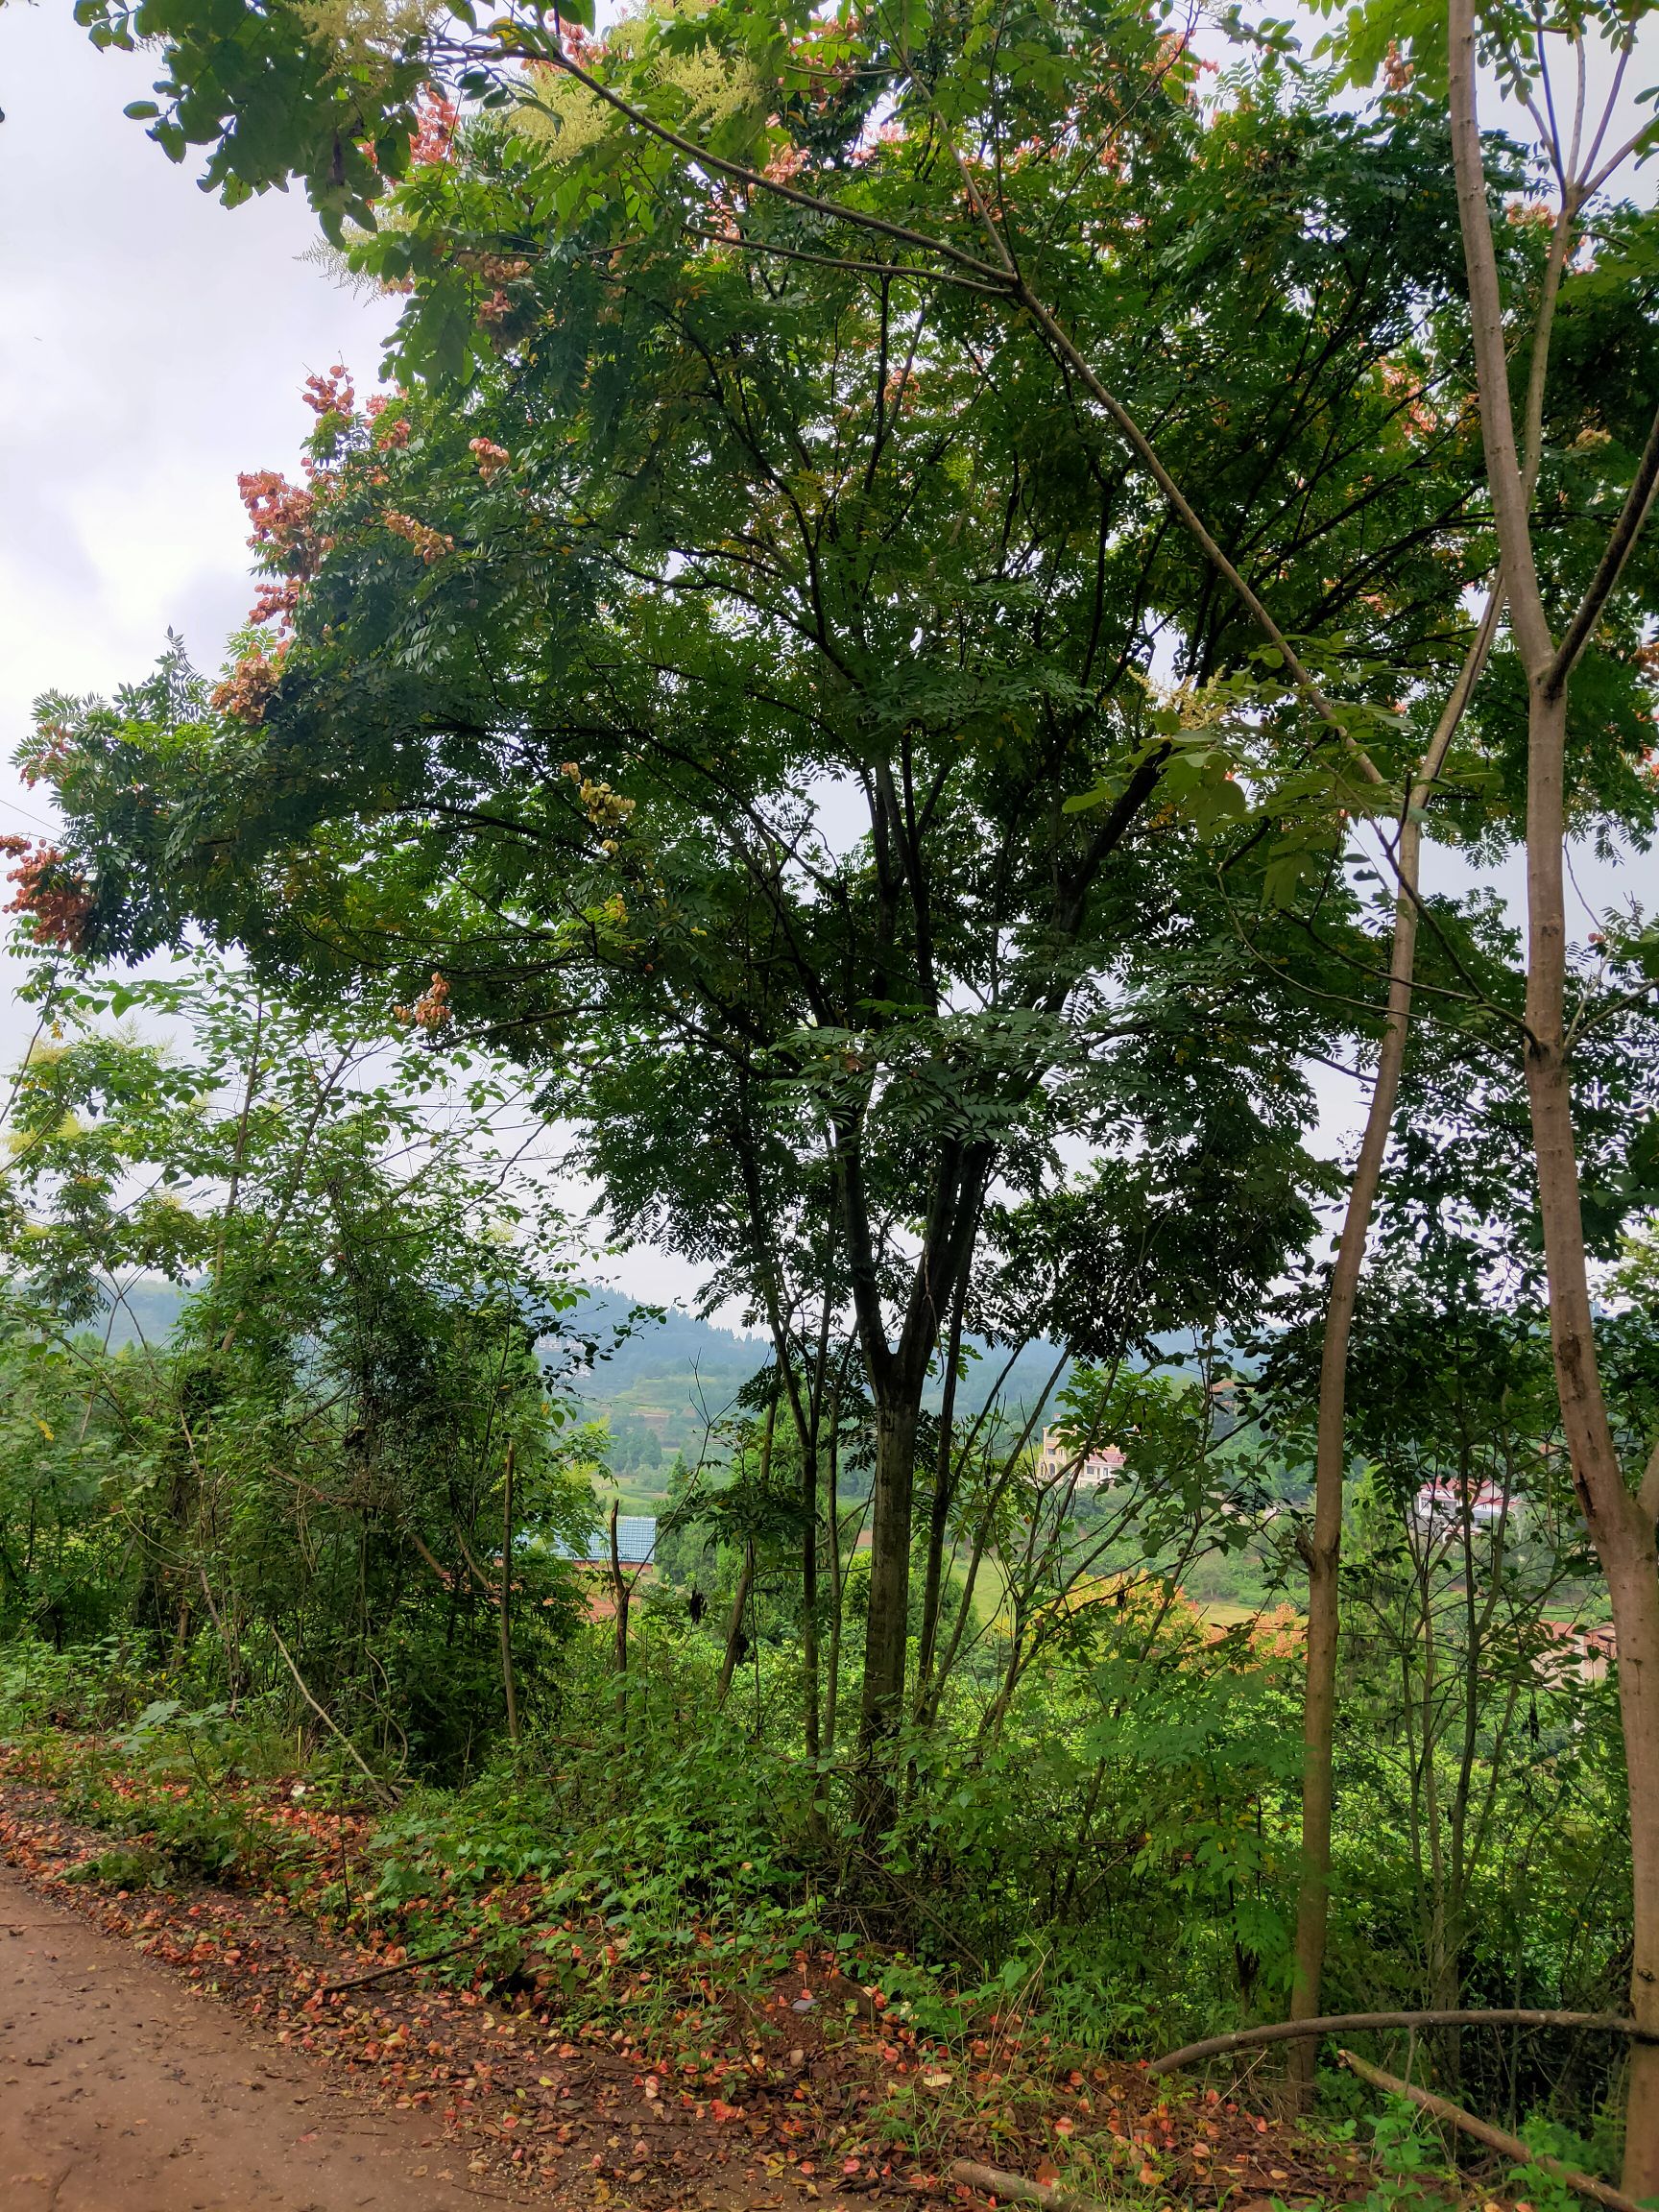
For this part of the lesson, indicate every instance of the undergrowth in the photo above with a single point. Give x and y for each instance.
(666, 1922)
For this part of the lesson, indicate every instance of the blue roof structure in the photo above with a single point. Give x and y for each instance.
(635, 1543)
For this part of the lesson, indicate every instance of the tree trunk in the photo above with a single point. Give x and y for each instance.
(807, 1407)
(939, 1511)
(746, 1578)
(1634, 1588)
(504, 1601)
(734, 1621)
(1323, 1553)
(886, 1637)
(837, 1581)
(1434, 1820)
(811, 1438)
(810, 1693)
(1620, 1527)
(621, 1593)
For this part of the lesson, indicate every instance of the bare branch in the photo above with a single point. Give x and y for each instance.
(1495, 2139)
(1620, 547)
(1352, 2023)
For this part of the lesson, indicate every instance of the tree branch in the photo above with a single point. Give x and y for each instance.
(387, 1797)
(1495, 2139)
(1005, 279)
(1620, 547)
(1349, 2023)
(1504, 468)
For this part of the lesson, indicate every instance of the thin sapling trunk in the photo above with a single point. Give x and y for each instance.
(504, 1601)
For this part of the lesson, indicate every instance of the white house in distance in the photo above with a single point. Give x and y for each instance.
(1058, 1461)
(1440, 1506)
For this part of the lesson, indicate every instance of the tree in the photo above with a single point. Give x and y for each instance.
(311, 1459)
(1544, 596)
(1467, 1521)
(582, 662)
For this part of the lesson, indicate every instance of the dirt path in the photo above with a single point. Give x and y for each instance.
(119, 2092)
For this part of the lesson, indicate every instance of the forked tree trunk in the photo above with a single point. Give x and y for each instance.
(1323, 1554)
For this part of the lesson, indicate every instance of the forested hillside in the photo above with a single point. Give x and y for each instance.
(656, 1370)
(946, 617)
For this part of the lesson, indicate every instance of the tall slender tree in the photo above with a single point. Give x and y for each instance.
(1621, 1518)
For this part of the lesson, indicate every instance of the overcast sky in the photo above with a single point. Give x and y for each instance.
(152, 346)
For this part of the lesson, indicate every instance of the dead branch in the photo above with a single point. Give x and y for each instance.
(404, 1965)
(387, 1796)
(1495, 2139)
(1348, 2023)
(991, 2182)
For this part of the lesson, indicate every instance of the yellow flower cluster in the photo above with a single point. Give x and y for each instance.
(568, 120)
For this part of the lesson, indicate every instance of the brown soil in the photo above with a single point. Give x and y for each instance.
(121, 2091)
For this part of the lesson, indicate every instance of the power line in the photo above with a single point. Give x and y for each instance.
(39, 820)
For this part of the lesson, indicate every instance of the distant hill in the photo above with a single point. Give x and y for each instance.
(146, 1314)
(664, 1383)
(683, 1354)
(676, 1344)
(667, 1380)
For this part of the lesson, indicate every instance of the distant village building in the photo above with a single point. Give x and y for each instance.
(636, 1555)
(1058, 1461)
(1575, 1650)
(1439, 1507)
(635, 1543)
